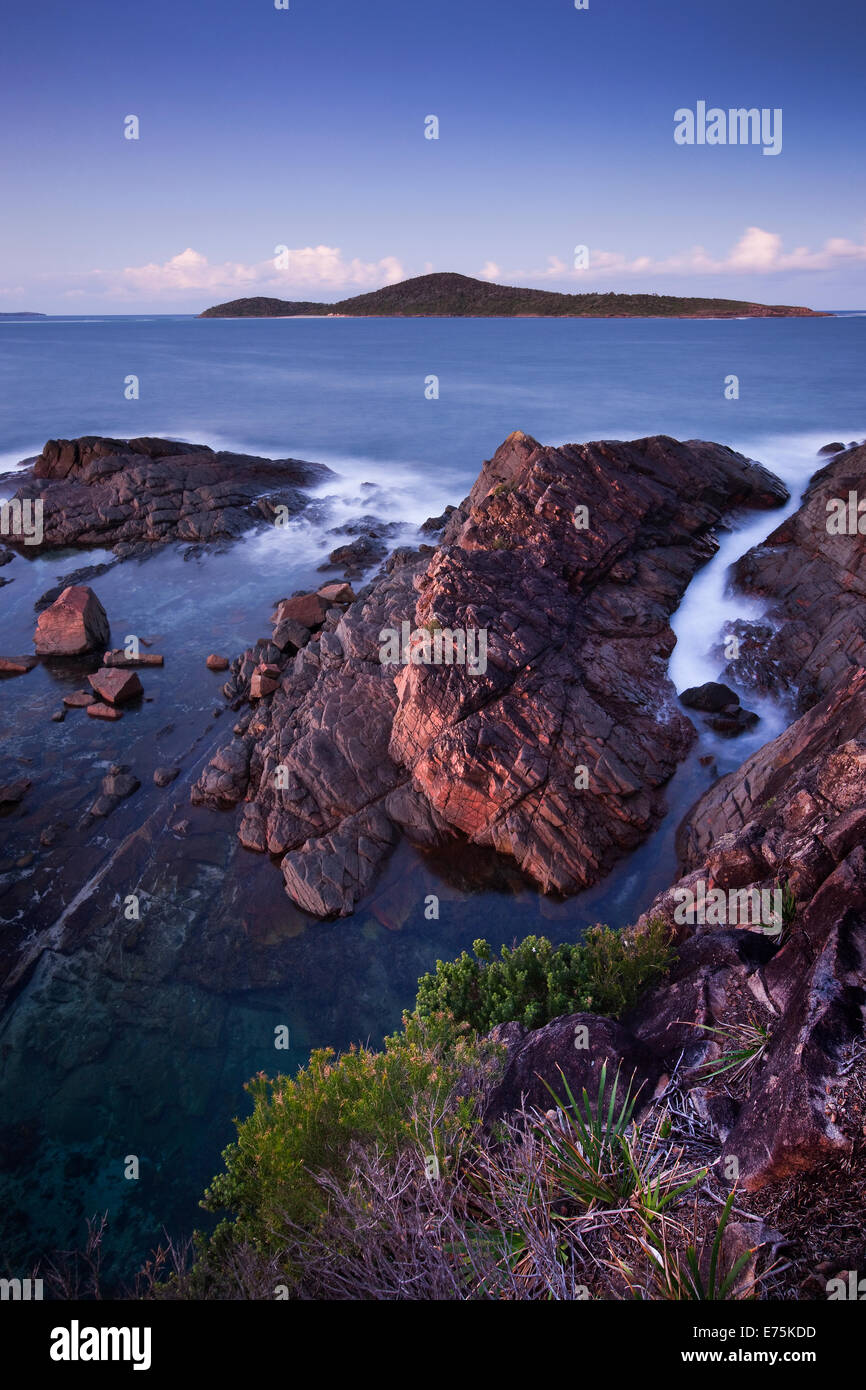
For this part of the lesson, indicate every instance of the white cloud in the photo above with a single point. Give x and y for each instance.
(757, 252)
(288, 274)
(491, 271)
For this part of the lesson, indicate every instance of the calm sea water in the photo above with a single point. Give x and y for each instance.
(137, 1038)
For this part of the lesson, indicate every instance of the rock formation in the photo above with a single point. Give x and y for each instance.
(570, 561)
(812, 569)
(125, 492)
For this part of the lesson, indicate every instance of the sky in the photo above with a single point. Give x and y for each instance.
(283, 151)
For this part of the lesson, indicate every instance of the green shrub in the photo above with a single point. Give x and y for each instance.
(421, 1091)
(536, 982)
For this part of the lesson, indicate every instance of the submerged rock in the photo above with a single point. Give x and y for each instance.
(17, 665)
(13, 792)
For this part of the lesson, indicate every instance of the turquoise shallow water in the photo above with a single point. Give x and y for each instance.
(136, 1038)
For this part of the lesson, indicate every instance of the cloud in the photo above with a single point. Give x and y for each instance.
(288, 274)
(491, 271)
(757, 252)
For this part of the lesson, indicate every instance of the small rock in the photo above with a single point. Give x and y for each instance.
(116, 686)
(25, 861)
(182, 827)
(264, 681)
(17, 665)
(48, 836)
(120, 784)
(120, 658)
(58, 716)
(163, 776)
(79, 699)
(100, 711)
(291, 635)
(336, 592)
(13, 792)
(835, 448)
(217, 663)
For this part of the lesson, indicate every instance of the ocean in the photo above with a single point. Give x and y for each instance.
(137, 1040)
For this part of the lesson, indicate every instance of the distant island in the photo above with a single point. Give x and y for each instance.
(23, 316)
(448, 295)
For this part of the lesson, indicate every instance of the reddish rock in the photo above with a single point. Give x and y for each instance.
(75, 623)
(217, 663)
(116, 687)
(308, 609)
(127, 492)
(100, 711)
(795, 814)
(128, 663)
(575, 677)
(264, 681)
(812, 569)
(336, 592)
(79, 699)
(17, 665)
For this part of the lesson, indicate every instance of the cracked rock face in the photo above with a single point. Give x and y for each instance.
(554, 750)
(123, 492)
(794, 813)
(812, 568)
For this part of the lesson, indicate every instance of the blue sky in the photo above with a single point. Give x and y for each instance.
(304, 128)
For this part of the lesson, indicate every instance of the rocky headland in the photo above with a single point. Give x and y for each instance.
(571, 561)
(377, 715)
(127, 494)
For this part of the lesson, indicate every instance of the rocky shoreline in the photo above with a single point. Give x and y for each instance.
(554, 752)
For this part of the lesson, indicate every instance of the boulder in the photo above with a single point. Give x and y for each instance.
(307, 609)
(337, 592)
(76, 622)
(115, 686)
(217, 663)
(710, 697)
(575, 1048)
(291, 635)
